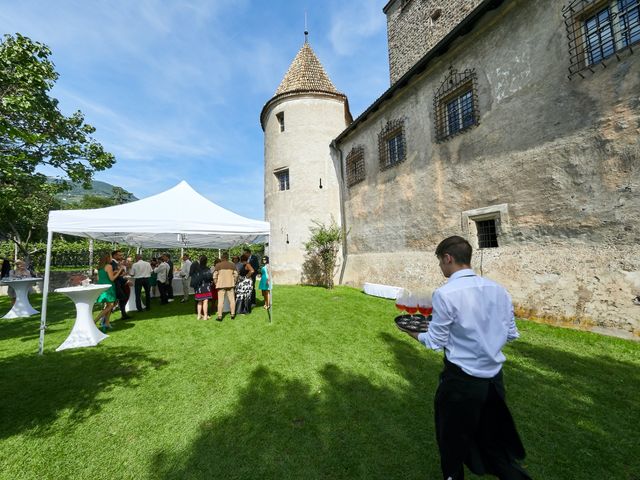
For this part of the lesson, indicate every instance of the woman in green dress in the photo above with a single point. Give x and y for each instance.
(106, 276)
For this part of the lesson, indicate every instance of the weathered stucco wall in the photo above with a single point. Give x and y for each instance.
(416, 27)
(562, 158)
(311, 122)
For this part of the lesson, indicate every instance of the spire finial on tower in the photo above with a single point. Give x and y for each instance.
(306, 30)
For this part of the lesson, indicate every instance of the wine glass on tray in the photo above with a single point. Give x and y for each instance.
(425, 307)
(401, 299)
(411, 304)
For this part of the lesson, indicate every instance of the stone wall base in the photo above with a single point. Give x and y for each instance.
(580, 286)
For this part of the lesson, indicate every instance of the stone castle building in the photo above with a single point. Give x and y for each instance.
(513, 123)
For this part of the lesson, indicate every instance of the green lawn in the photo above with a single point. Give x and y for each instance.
(330, 390)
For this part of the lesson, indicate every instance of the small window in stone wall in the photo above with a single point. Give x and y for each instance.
(355, 166)
(392, 144)
(283, 179)
(280, 117)
(456, 104)
(487, 227)
(599, 30)
(487, 233)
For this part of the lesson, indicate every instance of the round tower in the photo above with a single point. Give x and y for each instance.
(300, 182)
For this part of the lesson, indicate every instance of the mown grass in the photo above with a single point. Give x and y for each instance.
(329, 390)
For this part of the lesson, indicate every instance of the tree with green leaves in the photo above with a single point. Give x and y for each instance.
(321, 259)
(34, 133)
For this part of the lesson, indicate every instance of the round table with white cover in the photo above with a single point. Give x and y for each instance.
(84, 332)
(22, 307)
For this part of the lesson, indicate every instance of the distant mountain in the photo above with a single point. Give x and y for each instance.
(99, 189)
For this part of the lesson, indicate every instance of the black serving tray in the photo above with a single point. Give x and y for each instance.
(413, 323)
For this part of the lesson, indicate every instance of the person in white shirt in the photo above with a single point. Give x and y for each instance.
(184, 276)
(472, 320)
(162, 270)
(141, 272)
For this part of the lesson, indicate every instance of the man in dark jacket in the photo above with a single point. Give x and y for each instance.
(120, 283)
(169, 277)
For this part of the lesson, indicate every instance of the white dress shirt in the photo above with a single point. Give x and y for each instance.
(472, 320)
(185, 268)
(141, 269)
(163, 272)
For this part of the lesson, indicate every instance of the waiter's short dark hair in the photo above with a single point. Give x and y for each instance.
(457, 247)
(115, 252)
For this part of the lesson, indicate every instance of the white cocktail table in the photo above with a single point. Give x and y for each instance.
(22, 307)
(131, 303)
(84, 332)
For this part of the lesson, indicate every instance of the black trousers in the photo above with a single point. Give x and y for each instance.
(253, 292)
(474, 427)
(164, 293)
(141, 283)
(122, 296)
(170, 287)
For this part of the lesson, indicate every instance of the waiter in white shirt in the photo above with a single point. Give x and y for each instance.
(472, 320)
(184, 276)
(141, 272)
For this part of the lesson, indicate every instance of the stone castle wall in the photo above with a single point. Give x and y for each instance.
(558, 160)
(416, 26)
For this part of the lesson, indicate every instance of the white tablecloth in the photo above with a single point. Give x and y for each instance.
(22, 307)
(131, 303)
(84, 332)
(177, 287)
(384, 291)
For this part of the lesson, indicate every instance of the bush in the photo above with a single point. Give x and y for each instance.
(321, 260)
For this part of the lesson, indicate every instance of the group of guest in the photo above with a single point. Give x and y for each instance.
(230, 281)
(233, 281)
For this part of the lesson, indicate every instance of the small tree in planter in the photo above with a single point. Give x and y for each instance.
(321, 259)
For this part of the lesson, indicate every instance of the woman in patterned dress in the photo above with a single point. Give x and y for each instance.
(201, 279)
(244, 287)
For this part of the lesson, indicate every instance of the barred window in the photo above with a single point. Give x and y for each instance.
(456, 104)
(283, 179)
(355, 166)
(598, 30)
(487, 233)
(391, 144)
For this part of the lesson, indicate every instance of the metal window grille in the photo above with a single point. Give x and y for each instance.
(283, 179)
(456, 104)
(598, 30)
(391, 144)
(355, 166)
(487, 233)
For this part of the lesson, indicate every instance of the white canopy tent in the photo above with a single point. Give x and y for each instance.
(179, 217)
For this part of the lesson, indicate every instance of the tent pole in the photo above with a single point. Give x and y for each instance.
(90, 257)
(45, 292)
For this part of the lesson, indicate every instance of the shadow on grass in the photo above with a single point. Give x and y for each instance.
(347, 428)
(577, 413)
(59, 311)
(35, 390)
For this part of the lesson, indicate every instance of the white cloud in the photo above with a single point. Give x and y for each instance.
(353, 23)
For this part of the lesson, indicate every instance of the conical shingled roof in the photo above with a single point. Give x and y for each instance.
(306, 74)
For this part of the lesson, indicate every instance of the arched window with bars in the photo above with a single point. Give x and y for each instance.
(456, 104)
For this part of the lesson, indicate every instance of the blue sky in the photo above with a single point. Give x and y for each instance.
(175, 87)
